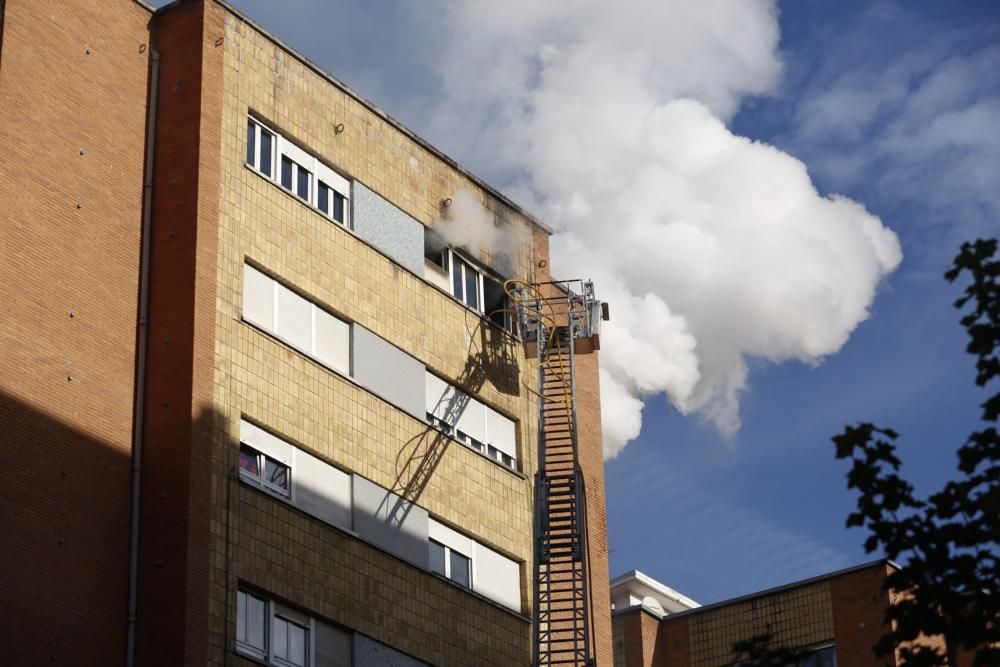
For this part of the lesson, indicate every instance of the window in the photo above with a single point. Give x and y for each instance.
(295, 177)
(272, 633)
(290, 642)
(298, 171)
(471, 422)
(497, 306)
(251, 624)
(294, 475)
(466, 283)
(473, 565)
(467, 439)
(330, 202)
(451, 564)
(264, 470)
(260, 148)
(296, 320)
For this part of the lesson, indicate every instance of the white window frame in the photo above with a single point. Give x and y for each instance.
(272, 612)
(259, 479)
(301, 159)
(447, 564)
(242, 647)
(259, 127)
(458, 264)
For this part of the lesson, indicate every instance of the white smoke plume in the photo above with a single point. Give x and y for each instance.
(468, 224)
(710, 248)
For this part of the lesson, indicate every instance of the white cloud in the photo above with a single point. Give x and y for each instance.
(709, 247)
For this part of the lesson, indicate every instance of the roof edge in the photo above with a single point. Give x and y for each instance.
(371, 106)
(784, 587)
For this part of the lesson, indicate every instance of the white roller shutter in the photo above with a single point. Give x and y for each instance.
(258, 298)
(266, 443)
(500, 433)
(473, 419)
(294, 319)
(497, 577)
(333, 341)
(450, 538)
(439, 396)
(321, 490)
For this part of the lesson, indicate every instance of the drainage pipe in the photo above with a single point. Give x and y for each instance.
(141, 353)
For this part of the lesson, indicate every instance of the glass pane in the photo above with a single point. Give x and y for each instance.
(302, 187)
(457, 278)
(280, 638)
(249, 461)
(275, 473)
(826, 657)
(472, 287)
(266, 139)
(286, 172)
(323, 197)
(338, 207)
(437, 558)
(296, 644)
(241, 616)
(460, 569)
(251, 141)
(255, 622)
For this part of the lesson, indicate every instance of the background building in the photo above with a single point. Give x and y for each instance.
(836, 617)
(221, 298)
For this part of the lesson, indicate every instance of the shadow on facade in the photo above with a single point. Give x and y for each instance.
(64, 505)
(492, 357)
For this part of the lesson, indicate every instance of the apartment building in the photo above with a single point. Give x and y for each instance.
(258, 409)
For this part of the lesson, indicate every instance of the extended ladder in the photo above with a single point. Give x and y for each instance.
(555, 321)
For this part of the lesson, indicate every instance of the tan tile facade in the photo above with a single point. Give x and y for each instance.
(330, 574)
(797, 617)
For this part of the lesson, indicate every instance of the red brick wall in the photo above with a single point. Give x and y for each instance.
(673, 645)
(591, 443)
(68, 288)
(641, 633)
(859, 605)
(174, 606)
(73, 89)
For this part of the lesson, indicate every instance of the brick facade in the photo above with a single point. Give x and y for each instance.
(844, 609)
(73, 87)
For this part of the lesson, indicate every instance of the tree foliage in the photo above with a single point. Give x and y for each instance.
(947, 542)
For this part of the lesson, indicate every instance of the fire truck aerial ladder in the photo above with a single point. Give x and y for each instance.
(558, 320)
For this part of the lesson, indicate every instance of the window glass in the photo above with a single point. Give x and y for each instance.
(250, 620)
(472, 287)
(289, 642)
(460, 571)
(302, 184)
(251, 141)
(458, 279)
(275, 473)
(338, 207)
(266, 140)
(826, 657)
(437, 558)
(286, 172)
(296, 644)
(249, 461)
(323, 197)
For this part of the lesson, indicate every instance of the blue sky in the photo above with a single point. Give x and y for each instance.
(893, 105)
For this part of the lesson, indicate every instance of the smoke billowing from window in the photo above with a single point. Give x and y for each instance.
(711, 248)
